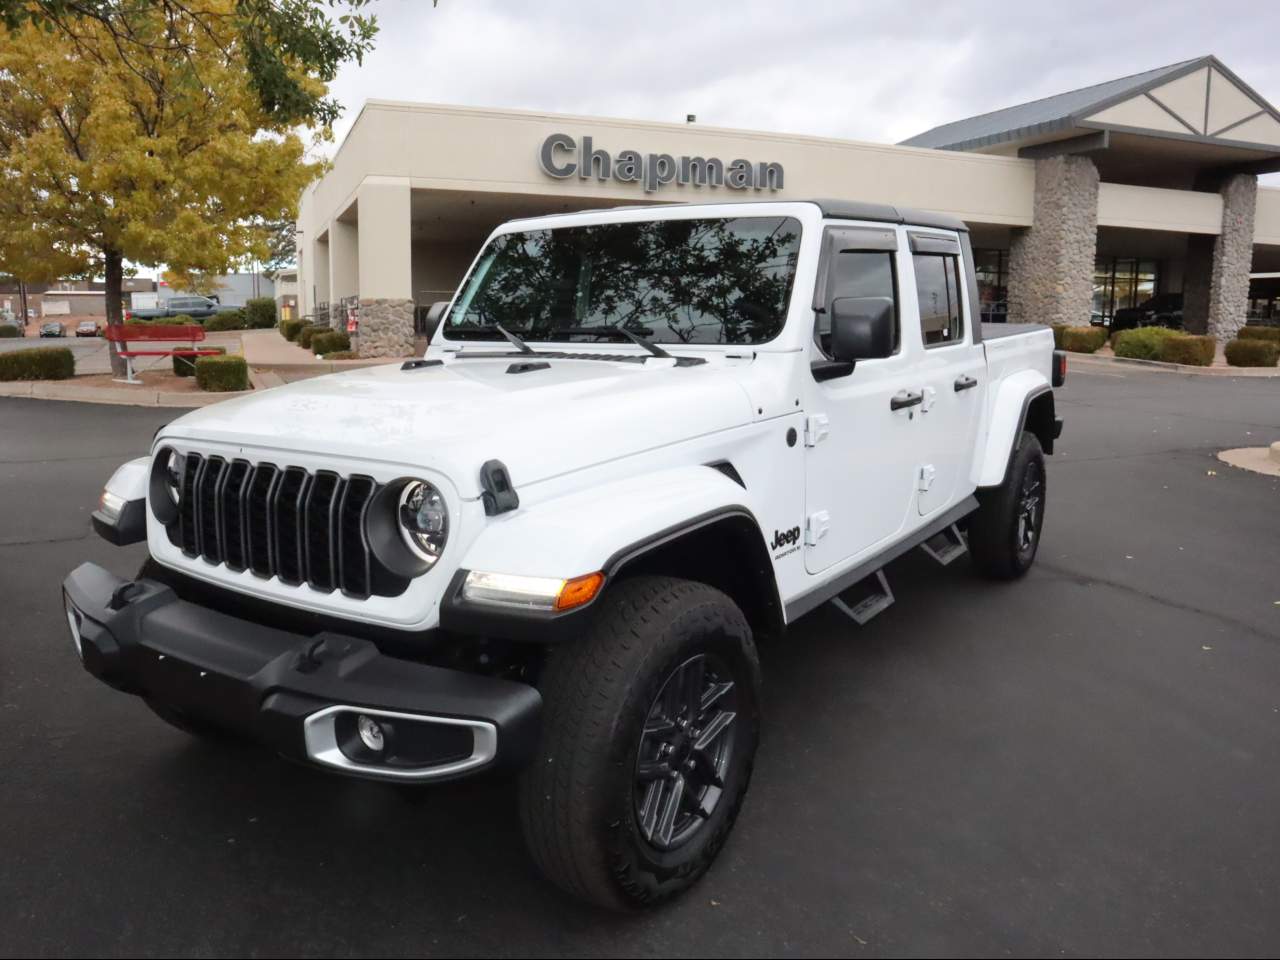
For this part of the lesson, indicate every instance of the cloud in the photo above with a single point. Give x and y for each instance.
(864, 71)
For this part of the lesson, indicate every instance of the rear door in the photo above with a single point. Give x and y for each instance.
(861, 453)
(951, 370)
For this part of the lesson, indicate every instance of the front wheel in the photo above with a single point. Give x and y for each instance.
(1004, 532)
(650, 728)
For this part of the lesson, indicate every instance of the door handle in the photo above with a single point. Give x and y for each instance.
(903, 399)
(965, 383)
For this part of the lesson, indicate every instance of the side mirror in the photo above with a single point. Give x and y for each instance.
(861, 328)
(434, 315)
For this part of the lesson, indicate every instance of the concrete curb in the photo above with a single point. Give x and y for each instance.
(321, 367)
(1184, 368)
(123, 396)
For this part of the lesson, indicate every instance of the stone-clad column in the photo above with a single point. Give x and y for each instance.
(1215, 292)
(386, 271)
(1051, 262)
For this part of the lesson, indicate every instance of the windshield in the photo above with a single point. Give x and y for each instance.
(670, 281)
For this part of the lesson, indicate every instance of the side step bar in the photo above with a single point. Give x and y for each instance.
(945, 545)
(865, 599)
(820, 594)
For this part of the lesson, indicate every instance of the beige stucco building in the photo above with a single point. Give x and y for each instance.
(1079, 204)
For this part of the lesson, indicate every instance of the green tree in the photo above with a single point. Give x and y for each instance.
(284, 44)
(143, 135)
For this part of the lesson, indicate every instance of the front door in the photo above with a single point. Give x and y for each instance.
(862, 453)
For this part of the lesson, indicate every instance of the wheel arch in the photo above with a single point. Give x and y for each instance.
(693, 522)
(1024, 402)
(725, 550)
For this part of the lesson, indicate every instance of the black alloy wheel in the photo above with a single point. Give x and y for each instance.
(685, 751)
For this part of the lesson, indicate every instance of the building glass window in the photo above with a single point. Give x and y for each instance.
(992, 269)
(1122, 282)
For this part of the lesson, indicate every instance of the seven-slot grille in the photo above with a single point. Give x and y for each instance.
(277, 521)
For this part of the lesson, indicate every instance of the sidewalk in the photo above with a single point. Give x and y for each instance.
(268, 351)
(140, 396)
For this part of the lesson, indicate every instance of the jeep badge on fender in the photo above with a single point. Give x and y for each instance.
(551, 543)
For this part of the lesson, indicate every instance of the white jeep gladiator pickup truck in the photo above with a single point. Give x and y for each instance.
(641, 442)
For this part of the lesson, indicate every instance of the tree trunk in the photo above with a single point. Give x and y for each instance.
(114, 264)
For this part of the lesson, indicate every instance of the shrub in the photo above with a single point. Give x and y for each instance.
(308, 333)
(1083, 339)
(1197, 351)
(1142, 343)
(331, 342)
(1058, 330)
(222, 374)
(289, 329)
(260, 313)
(231, 320)
(342, 355)
(181, 320)
(1259, 333)
(38, 363)
(185, 366)
(1252, 353)
(9, 330)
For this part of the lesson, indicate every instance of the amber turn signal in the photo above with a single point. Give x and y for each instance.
(579, 590)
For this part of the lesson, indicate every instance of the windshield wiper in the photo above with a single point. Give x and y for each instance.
(604, 331)
(513, 339)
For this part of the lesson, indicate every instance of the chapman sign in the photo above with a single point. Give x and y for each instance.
(562, 157)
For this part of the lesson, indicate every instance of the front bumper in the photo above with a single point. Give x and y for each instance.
(298, 694)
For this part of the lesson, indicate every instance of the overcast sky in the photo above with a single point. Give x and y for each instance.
(864, 71)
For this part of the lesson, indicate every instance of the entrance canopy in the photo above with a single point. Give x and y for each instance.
(1165, 127)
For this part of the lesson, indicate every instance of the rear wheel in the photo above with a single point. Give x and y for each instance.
(1004, 532)
(650, 729)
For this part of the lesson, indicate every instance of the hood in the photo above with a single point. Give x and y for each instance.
(454, 416)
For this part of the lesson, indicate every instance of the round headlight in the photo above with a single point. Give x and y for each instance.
(165, 489)
(173, 476)
(424, 521)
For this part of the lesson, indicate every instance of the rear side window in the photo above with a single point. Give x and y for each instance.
(938, 290)
(858, 273)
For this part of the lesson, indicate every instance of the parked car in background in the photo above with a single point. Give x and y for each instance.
(1162, 310)
(9, 320)
(197, 308)
(88, 328)
(53, 328)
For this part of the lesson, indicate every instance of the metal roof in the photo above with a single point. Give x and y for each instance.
(1058, 112)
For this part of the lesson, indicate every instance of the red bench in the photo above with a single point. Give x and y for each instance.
(124, 334)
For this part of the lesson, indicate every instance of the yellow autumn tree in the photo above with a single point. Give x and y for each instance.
(139, 138)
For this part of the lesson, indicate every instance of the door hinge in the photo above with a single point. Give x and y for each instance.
(816, 526)
(816, 428)
(925, 481)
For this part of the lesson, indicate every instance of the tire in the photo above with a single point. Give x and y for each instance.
(591, 817)
(1004, 532)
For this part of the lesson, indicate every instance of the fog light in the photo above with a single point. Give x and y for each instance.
(370, 733)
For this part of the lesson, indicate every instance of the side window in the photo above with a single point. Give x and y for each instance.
(858, 273)
(938, 290)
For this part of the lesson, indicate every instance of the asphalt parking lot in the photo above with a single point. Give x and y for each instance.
(1085, 762)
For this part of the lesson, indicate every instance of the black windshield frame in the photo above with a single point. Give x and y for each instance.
(708, 281)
